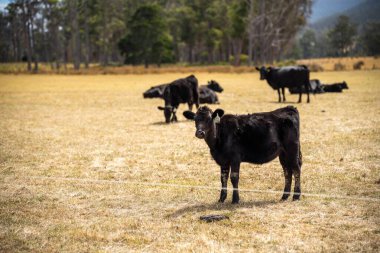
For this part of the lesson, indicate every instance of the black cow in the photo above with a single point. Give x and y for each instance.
(207, 93)
(254, 138)
(155, 91)
(184, 90)
(207, 96)
(315, 87)
(290, 76)
(335, 87)
(214, 85)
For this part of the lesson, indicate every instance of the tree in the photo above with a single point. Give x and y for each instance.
(308, 43)
(73, 6)
(342, 36)
(371, 38)
(238, 19)
(148, 40)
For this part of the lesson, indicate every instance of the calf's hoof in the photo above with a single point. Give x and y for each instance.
(235, 200)
(296, 197)
(223, 197)
(284, 197)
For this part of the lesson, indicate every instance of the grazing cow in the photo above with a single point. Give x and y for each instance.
(254, 138)
(184, 90)
(155, 91)
(335, 87)
(291, 76)
(315, 87)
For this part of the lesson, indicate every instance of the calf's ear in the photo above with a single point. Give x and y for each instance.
(160, 108)
(219, 112)
(257, 68)
(189, 115)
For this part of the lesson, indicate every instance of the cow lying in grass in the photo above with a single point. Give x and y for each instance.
(254, 138)
(335, 87)
(207, 93)
(315, 88)
(155, 91)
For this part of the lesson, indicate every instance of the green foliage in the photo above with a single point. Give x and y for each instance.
(148, 40)
(371, 38)
(308, 43)
(238, 13)
(243, 59)
(342, 36)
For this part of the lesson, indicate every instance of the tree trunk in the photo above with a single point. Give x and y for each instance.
(26, 29)
(75, 33)
(237, 45)
(262, 33)
(250, 33)
(191, 53)
(86, 36)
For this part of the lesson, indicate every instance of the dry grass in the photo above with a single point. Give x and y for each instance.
(96, 69)
(328, 64)
(99, 127)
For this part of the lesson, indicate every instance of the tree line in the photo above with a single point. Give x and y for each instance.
(345, 38)
(82, 32)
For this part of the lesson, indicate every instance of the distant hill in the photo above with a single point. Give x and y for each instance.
(365, 11)
(325, 8)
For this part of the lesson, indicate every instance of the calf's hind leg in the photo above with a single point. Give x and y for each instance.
(297, 178)
(288, 177)
(235, 182)
(224, 171)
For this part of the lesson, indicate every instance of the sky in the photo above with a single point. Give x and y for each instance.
(321, 8)
(3, 3)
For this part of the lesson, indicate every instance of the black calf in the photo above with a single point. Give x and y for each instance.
(254, 138)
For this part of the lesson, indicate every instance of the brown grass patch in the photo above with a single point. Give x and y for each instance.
(100, 127)
(345, 63)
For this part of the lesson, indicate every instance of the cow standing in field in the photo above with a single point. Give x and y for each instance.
(286, 77)
(184, 90)
(254, 138)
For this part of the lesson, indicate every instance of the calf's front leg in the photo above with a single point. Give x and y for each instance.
(224, 171)
(279, 95)
(235, 182)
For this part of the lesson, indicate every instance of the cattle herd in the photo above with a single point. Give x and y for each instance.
(254, 138)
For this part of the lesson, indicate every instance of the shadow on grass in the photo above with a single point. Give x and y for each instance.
(222, 206)
(284, 103)
(159, 123)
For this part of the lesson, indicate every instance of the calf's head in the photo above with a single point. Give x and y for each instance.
(168, 112)
(263, 72)
(344, 85)
(205, 120)
(215, 86)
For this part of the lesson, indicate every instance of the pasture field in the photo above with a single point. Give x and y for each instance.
(87, 165)
(370, 63)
